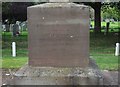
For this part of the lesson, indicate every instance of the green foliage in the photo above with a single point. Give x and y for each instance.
(110, 10)
(6, 7)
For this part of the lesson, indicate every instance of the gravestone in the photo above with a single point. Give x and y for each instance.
(24, 26)
(58, 43)
(58, 35)
(19, 24)
(3, 28)
(7, 26)
(15, 29)
(11, 27)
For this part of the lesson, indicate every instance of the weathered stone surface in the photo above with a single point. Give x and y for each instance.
(58, 76)
(58, 0)
(58, 35)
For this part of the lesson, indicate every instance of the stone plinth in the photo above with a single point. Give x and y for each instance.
(58, 76)
(59, 1)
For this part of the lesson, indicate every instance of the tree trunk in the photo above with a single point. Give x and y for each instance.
(97, 18)
(107, 27)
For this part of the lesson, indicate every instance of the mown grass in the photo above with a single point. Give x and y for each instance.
(102, 50)
(14, 62)
(112, 24)
(22, 50)
(106, 61)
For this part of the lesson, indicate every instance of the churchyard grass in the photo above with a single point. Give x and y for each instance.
(101, 50)
(12, 63)
(114, 26)
(106, 61)
(22, 52)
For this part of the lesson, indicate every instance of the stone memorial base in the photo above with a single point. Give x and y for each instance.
(28, 75)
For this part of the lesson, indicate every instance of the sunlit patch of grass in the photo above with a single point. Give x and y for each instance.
(106, 61)
(11, 62)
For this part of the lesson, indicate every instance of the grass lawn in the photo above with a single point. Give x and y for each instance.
(106, 61)
(101, 50)
(114, 27)
(17, 62)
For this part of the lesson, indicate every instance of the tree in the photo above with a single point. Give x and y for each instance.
(111, 10)
(15, 10)
(97, 10)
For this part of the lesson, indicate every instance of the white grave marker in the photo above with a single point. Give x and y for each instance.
(117, 49)
(13, 49)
